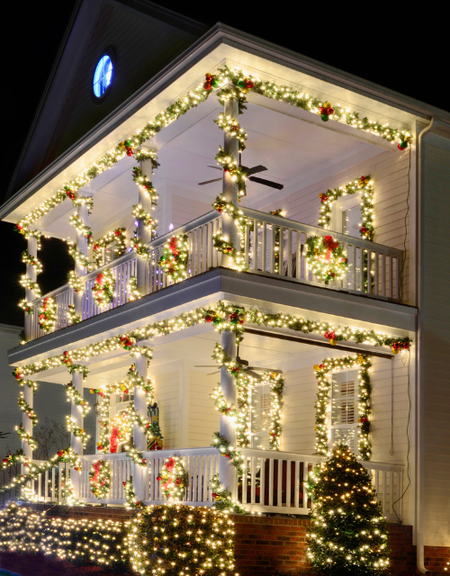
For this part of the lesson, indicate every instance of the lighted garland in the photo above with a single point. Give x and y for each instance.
(140, 214)
(29, 284)
(326, 258)
(100, 478)
(227, 450)
(118, 236)
(79, 257)
(77, 431)
(83, 229)
(26, 437)
(174, 259)
(47, 314)
(75, 397)
(277, 238)
(237, 173)
(15, 458)
(27, 409)
(32, 261)
(364, 186)
(173, 479)
(146, 185)
(232, 128)
(103, 289)
(223, 499)
(132, 289)
(221, 242)
(130, 496)
(75, 282)
(140, 249)
(72, 316)
(27, 307)
(323, 399)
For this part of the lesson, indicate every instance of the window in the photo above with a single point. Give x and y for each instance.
(344, 409)
(260, 402)
(346, 215)
(103, 76)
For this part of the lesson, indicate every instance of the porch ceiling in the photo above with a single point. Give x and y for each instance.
(297, 148)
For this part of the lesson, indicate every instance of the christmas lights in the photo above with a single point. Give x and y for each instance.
(77, 431)
(118, 236)
(26, 409)
(83, 229)
(174, 259)
(100, 478)
(326, 258)
(103, 290)
(75, 397)
(146, 185)
(173, 478)
(132, 289)
(72, 316)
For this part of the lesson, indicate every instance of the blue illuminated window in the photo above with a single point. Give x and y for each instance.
(102, 76)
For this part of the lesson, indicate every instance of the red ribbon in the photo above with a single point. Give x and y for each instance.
(96, 467)
(330, 244)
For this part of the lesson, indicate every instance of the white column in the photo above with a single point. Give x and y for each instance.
(27, 422)
(227, 472)
(82, 246)
(76, 443)
(230, 188)
(29, 294)
(139, 437)
(144, 234)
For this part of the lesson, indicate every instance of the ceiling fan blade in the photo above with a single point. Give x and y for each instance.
(253, 374)
(215, 167)
(255, 169)
(209, 181)
(205, 365)
(266, 369)
(266, 182)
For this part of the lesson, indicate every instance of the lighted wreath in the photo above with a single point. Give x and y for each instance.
(47, 314)
(104, 285)
(326, 258)
(100, 478)
(175, 257)
(174, 479)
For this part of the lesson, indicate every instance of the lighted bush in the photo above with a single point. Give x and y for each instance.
(173, 539)
(80, 542)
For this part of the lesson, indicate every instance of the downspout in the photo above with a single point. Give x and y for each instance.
(419, 361)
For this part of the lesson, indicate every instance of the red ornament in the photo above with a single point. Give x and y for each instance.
(207, 86)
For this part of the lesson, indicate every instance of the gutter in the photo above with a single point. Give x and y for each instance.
(420, 427)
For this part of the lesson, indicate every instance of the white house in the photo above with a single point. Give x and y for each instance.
(122, 164)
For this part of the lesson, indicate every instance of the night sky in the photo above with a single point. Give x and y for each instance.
(388, 48)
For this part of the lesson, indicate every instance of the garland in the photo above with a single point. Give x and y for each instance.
(103, 290)
(323, 399)
(100, 478)
(75, 282)
(26, 306)
(364, 185)
(118, 236)
(26, 437)
(83, 229)
(174, 259)
(278, 212)
(74, 396)
(72, 316)
(132, 289)
(223, 499)
(29, 284)
(326, 258)
(130, 496)
(174, 479)
(145, 185)
(232, 128)
(79, 257)
(27, 409)
(227, 450)
(11, 459)
(77, 431)
(221, 242)
(32, 261)
(141, 215)
(47, 314)
(141, 249)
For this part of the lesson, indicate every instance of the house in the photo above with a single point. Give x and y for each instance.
(222, 197)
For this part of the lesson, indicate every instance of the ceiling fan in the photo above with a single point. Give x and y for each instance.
(250, 172)
(251, 370)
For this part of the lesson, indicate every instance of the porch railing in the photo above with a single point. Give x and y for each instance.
(272, 246)
(48, 486)
(273, 482)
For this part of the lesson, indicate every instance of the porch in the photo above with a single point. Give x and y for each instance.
(271, 246)
(273, 482)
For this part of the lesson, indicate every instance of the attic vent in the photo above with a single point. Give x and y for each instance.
(102, 76)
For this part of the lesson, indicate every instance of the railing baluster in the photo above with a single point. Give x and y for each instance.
(264, 247)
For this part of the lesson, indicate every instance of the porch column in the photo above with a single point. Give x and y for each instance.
(139, 437)
(230, 188)
(82, 246)
(227, 472)
(76, 443)
(144, 234)
(30, 294)
(27, 423)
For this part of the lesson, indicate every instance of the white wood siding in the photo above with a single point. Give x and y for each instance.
(391, 174)
(167, 394)
(203, 418)
(436, 330)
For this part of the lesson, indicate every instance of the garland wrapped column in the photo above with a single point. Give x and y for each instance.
(32, 290)
(230, 188)
(76, 439)
(82, 248)
(139, 435)
(27, 421)
(227, 472)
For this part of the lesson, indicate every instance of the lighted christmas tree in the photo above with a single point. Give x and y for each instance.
(348, 535)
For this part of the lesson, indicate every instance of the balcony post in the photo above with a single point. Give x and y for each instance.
(76, 443)
(82, 246)
(230, 188)
(30, 294)
(139, 436)
(227, 472)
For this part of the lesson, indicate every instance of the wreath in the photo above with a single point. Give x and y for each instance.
(174, 478)
(100, 478)
(47, 314)
(326, 258)
(104, 285)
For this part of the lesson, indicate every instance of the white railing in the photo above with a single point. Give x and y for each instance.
(272, 246)
(276, 246)
(121, 470)
(49, 485)
(273, 482)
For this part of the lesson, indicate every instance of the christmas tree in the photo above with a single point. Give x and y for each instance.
(348, 535)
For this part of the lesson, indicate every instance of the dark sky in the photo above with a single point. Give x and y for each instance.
(386, 47)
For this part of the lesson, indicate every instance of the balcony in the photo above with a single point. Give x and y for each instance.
(272, 246)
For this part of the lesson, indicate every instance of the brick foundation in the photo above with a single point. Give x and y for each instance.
(265, 545)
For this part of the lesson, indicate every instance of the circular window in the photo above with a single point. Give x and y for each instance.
(102, 76)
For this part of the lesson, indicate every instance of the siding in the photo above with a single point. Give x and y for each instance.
(390, 172)
(167, 394)
(186, 209)
(436, 333)
(203, 418)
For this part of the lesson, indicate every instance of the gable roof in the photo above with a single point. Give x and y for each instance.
(143, 37)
